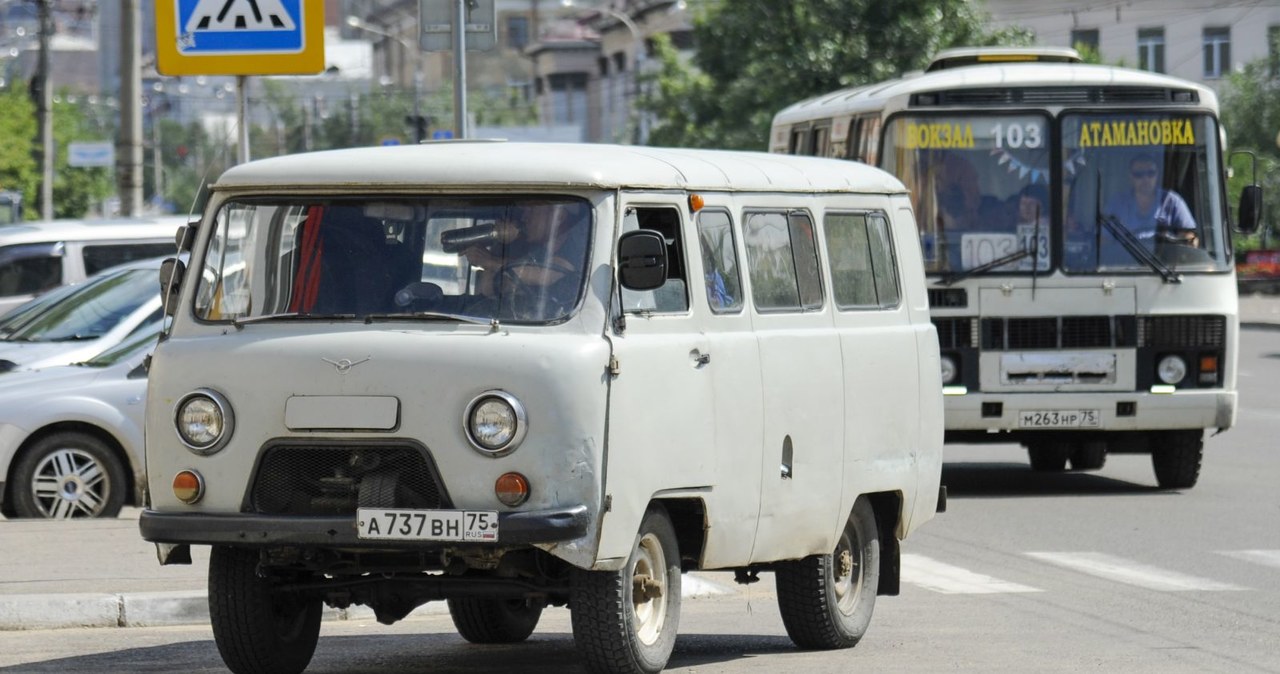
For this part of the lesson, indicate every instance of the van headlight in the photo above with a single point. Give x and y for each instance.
(495, 423)
(204, 421)
(1172, 369)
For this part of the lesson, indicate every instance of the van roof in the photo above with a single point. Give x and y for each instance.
(107, 229)
(494, 164)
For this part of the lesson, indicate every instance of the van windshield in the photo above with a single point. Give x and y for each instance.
(508, 259)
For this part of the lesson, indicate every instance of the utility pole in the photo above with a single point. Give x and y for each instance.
(129, 145)
(44, 110)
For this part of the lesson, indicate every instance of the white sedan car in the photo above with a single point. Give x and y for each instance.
(71, 436)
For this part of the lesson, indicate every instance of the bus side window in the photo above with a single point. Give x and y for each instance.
(672, 296)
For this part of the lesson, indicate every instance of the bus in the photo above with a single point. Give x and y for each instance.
(1075, 228)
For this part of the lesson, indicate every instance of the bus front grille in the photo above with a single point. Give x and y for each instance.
(1057, 332)
(335, 480)
(1183, 331)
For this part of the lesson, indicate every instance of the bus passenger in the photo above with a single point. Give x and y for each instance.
(1033, 206)
(1148, 209)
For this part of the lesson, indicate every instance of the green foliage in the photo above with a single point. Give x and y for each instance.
(18, 169)
(75, 188)
(1251, 116)
(755, 57)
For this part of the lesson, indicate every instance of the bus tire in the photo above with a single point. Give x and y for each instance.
(826, 600)
(258, 630)
(1088, 455)
(1176, 457)
(1048, 456)
(481, 620)
(614, 629)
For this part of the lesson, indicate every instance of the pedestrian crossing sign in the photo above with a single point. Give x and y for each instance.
(239, 37)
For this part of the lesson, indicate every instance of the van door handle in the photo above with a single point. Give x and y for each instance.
(700, 358)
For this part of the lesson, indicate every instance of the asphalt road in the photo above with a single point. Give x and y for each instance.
(1025, 572)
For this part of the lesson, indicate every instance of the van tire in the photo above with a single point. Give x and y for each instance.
(826, 600)
(1048, 456)
(257, 629)
(1176, 457)
(611, 631)
(65, 463)
(1089, 455)
(494, 621)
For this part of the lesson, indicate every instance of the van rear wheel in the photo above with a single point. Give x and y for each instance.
(826, 601)
(494, 621)
(626, 620)
(258, 628)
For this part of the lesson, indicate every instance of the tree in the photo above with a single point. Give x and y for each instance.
(755, 57)
(1251, 117)
(18, 169)
(75, 188)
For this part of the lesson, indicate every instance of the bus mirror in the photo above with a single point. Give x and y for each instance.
(1250, 211)
(642, 260)
(171, 272)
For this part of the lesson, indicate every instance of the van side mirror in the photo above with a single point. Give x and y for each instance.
(1250, 211)
(171, 273)
(642, 260)
(184, 237)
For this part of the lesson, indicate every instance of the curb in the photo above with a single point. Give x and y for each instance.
(157, 609)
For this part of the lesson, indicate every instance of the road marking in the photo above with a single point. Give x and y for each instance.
(1264, 557)
(1130, 572)
(933, 575)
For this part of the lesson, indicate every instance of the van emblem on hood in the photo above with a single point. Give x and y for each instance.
(344, 365)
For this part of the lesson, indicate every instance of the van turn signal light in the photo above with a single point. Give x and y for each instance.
(512, 489)
(188, 486)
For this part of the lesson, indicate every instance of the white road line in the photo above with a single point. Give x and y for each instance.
(1130, 572)
(934, 575)
(1264, 557)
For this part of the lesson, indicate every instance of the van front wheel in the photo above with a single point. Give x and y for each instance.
(626, 620)
(258, 628)
(826, 600)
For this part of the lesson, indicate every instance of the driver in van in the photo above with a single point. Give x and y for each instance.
(1147, 209)
(537, 246)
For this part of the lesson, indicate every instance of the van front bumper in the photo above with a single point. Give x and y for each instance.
(246, 529)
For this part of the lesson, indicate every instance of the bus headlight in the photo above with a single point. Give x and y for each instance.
(204, 421)
(495, 423)
(949, 370)
(1172, 369)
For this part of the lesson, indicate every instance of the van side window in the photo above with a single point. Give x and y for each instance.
(720, 262)
(782, 257)
(863, 269)
(672, 296)
(102, 256)
(30, 268)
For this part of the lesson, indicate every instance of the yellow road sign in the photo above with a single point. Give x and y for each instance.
(239, 37)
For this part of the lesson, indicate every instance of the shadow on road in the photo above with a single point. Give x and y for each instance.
(1009, 480)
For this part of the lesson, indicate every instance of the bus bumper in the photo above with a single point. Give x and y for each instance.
(1129, 411)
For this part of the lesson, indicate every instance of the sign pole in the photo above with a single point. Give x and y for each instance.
(460, 68)
(242, 121)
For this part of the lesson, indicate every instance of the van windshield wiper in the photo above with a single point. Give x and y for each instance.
(984, 268)
(289, 316)
(429, 316)
(1138, 251)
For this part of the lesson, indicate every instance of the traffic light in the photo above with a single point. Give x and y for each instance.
(419, 124)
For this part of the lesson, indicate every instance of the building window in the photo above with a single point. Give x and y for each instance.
(568, 98)
(1273, 50)
(1217, 52)
(1085, 40)
(1151, 49)
(517, 32)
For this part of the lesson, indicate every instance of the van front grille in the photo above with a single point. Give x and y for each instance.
(335, 480)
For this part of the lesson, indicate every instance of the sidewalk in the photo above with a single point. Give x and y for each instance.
(100, 573)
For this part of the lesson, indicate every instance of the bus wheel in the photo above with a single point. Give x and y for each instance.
(1048, 456)
(826, 600)
(626, 620)
(1176, 457)
(258, 629)
(494, 621)
(1088, 455)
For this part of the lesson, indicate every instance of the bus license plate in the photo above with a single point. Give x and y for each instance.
(427, 525)
(1059, 419)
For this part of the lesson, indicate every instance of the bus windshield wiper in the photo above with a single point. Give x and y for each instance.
(984, 268)
(1138, 251)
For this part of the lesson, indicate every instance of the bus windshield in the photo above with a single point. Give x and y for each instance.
(981, 188)
(1150, 179)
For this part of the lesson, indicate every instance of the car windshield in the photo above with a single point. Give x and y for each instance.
(463, 258)
(137, 344)
(24, 312)
(92, 310)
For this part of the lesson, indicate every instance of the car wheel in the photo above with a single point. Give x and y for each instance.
(68, 474)
(494, 621)
(826, 600)
(626, 620)
(258, 628)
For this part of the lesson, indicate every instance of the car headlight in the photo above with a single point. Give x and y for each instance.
(495, 423)
(204, 421)
(949, 370)
(1172, 369)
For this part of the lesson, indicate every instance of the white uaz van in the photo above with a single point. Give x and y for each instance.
(513, 376)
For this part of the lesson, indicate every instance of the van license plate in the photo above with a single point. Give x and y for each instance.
(427, 525)
(1059, 419)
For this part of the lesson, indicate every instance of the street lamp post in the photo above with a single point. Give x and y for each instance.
(419, 129)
